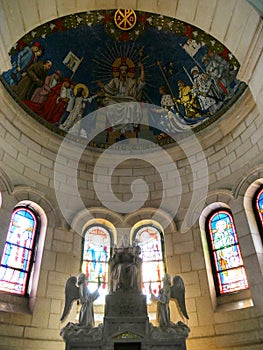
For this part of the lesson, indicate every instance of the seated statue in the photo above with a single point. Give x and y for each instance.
(125, 268)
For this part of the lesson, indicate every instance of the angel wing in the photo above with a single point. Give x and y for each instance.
(178, 293)
(71, 294)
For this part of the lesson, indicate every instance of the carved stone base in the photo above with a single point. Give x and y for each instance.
(126, 313)
(127, 304)
(126, 326)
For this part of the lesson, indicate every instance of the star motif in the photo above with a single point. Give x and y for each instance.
(142, 19)
(150, 20)
(188, 32)
(100, 17)
(107, 17)
(59, 25)
(224, 54)
(125, 37)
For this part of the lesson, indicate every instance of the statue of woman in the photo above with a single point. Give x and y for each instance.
(125, 269)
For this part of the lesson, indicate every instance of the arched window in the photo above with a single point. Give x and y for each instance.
(19, 251)
(227, 263)
(95, 257)
(257, 204)
(150, 239)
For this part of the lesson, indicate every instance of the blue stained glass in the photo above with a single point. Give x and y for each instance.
(18, 250)
(96, 253)
(228, 262)
(259, 206)
(228, 258)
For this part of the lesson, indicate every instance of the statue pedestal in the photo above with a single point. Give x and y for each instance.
(126, 313)
(126, 326)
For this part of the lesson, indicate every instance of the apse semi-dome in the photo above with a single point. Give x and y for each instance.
(105, 76)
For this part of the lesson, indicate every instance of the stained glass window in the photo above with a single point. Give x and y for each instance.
(19, 251)
(151, 242)
(227, 263)
(96, 253)
(258, 209)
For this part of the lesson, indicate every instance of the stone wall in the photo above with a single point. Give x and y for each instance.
(221, 169)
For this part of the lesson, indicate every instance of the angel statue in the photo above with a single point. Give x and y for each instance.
(80, 292)
(166, 293)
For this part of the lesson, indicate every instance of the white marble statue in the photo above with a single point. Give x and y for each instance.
(80, 292)
(175, 291)
(126, 268)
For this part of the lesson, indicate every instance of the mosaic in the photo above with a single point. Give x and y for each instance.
(101, 71)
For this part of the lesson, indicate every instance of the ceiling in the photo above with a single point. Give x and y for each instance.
(156, 51)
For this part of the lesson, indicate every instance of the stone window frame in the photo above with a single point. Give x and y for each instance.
(105, 225)
(25, 304)
(150, 223)
(81, 221)
(33, 248)
(227, 302)
(248, 193)
(254, 206)
(211, 251)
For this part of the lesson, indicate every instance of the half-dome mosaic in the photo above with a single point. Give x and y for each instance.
(122, 74)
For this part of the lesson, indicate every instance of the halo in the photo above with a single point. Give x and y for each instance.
(118, 62)
(84, 87)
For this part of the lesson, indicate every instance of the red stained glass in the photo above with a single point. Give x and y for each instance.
(96, 253)
(18, 252)
(259, 206)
